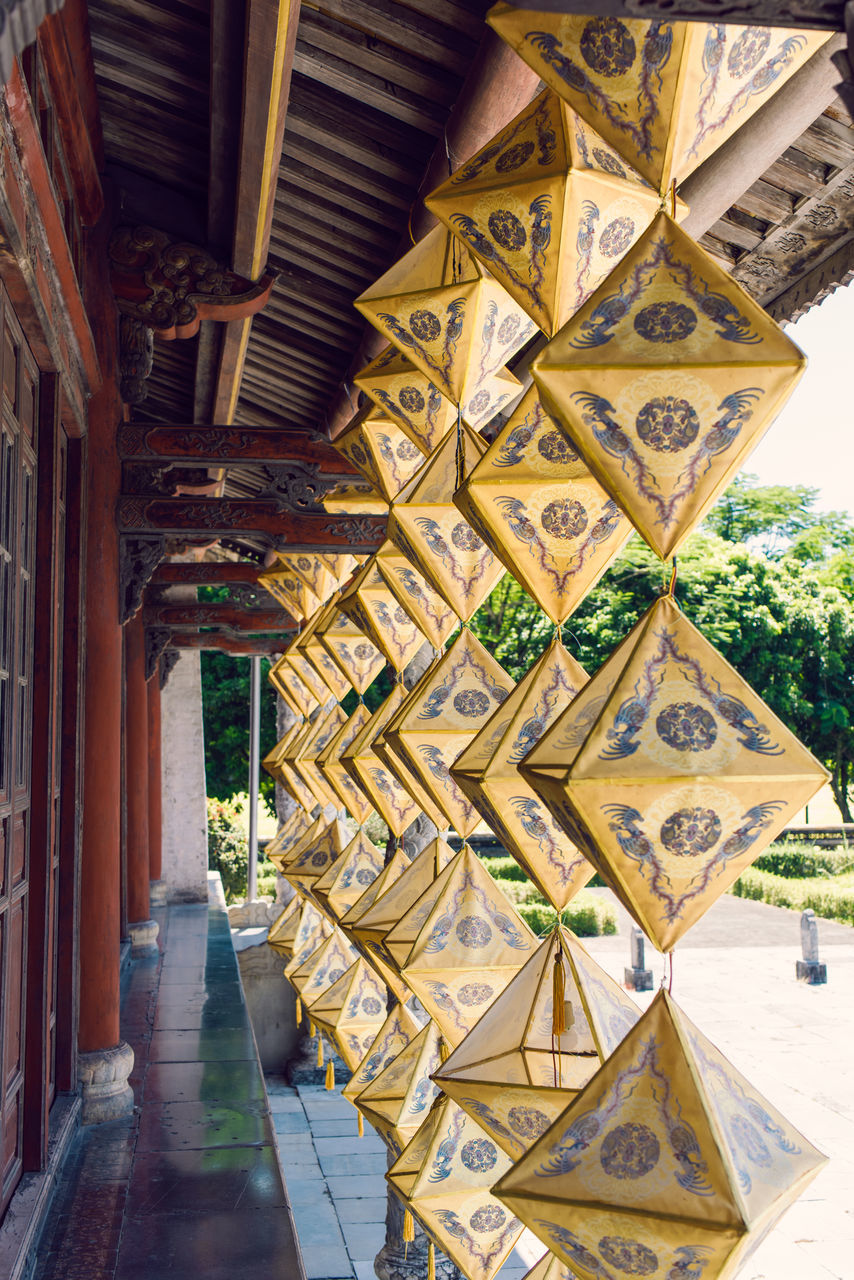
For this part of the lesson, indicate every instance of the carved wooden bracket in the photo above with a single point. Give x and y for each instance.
(156, 640)
(138, 558)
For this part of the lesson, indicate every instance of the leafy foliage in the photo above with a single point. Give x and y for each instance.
(228, 847)
(795, 860)
(225, 710)
(833, 899)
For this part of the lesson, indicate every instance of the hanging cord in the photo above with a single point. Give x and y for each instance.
(460, 450)
(558, 1009)
(673, 576)
(673, 199)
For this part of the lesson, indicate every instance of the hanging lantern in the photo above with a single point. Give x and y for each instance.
(281, 855)
(430, 613)
(400, 770)
(458, 326)
(322, 732)
(272, 760)
(394, 1035)
(669, 1162)
(317, 687)
(359, 659)
(665, 95)
(349, 922)
(287, 837)
(309, 646)
(547, 207)
(290, 591)
(381, 787)
(317, 972)
(323, 574)
(288, 775)
(312, 930)
(428, 529)
(357, 499)
(302, 869)
(471, 944)
(444, 1177)
(398, 1098)
(351, 1012)
(441, 716)
(665, 381)
(381, 451)
(346, 879)
(283, 930)
(370, 605)
(670, 773)
(487, 772)
(291, 688)
(522, 1064)
(541, 512)
(402, 392)
(329, 762)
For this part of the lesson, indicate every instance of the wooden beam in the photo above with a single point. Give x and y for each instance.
(238, 646)
(223, 517)
(828, 15)
(217, 446)
(217, 615)
(212, 573)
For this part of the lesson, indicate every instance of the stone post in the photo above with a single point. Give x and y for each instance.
(637, 977)
(142, 929)
(810, 969)
(157, 887)
(185, 841)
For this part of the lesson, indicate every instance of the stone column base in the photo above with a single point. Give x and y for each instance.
(103, 1076)
(157, 893)
(398, 1262)
(143, 937)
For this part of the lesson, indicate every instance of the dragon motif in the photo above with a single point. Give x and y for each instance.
(455, 312)
(530, 814)
(538, 238)
(512, 451)
(759, 82)
(447, 1148)
(475, 1248)
(546, 140)
(466, 892)
(515, 515)
(489, 1120)
(466, 665)
(437, 544)
(584, 241)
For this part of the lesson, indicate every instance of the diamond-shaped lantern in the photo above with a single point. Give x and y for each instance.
(539, 509)
(430, 613)
(428, 529)
(316, 857)
(515, 1073)
(272, 760)
(487, 771)
(397, 1099)
(382, 787)
(440, 717)
(663, 94)
(291, 688)
(665, 381)
(321, 573)
(290, 591)
(408, 780)
(381, 450)
(308, 644)
(471, 944)
(351, 797)
(671, 773)
(321, 733)
(291, 780)
(346, 879)
(287, 837)
(325, 965)
(440, 307)
(669, 1163)
(389, 908)
(444, 1178)
(550, 1268)
(402, 392)
(547, 207)
(348, 922)
(351, 1011)
(356, 655)
(394, 1035)
(283, 930)
(313, 928)
(287, 850)
(372, 606)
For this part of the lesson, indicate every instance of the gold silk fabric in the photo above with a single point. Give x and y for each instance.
(313, 928)
(456, 323)
(472, 942)
(351, 1012)
(351, 797)
(537, 506)
(402, 392)
(350, 920)
(487, 772)
(290, 591)
(670, 773)
(408, 780)
(307, 644)
(345, 880)
(311, 862)
(550, 1268)
(287, 850)
(431, 614)
(391, 906)
(321, 574)
(382, 452)
(373, 607)
(512, 1073)
(291, 688)
(382, 788)
(665, 381)
(441, 716)
(321, 733)
(668, 1163)
(444, 1177)
(548, 208)
(283, 931)
(356, 655)
(398, 1098)
(325, 965)
(664, 95)
(393, 1036)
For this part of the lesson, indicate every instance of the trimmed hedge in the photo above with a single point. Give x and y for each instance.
(504, 867)
(796, 860)
(587, 915)
(831, 899)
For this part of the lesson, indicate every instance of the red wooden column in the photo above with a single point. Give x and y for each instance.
(142, 929)
(155, 793)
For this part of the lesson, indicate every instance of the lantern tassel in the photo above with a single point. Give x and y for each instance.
(408, 1231)
(444, 1051)
(431, 1261)
(319, 1051)
(361, 1125)
(298, 1011)
(558, 990)
(330, 1076)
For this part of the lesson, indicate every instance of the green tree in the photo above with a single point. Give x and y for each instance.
(225, 711)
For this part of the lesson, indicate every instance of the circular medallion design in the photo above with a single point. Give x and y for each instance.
(334, 976)
(411, 400)
(372, 1006)
(473, 932)
(506, 230)
(685, 726)
(289, 584)
(425, 326)
(400, 616)
(629, 1151)
(406, 451)
(479, 402)
(528, 1122)
(554, 447)
(564, 518)
(514, 157)
(318, 859)
(667, 424)
(747, 51)
(608, 163)
(750, 1140)
(474, 993)
(303, 563)
(665, 322)
(629, 1256)
(491, 1217)
(364, 652)
(471, 702)
(464, 537)
(607, 46)
(616, 237)
(689, 832)
(479, 1155)
(364, 877)
(508, 329)
(357, 453)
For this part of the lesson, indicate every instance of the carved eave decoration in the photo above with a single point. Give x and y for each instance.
(138, 558)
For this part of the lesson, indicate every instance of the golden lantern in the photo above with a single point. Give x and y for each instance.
(329, 762)
(317, 687)
(356, 499)
(398, 1098)
(348, 646)
(440, 307)
(290, 779)
(404, 393)
(351, 1012)
(289, 849)
(321, 733)
(487, 772)
(325, 965)
(665, 381)
(290, 591)
(441, 716)
(430, 613)
(472, 942)
(665, 95)
(370, 605)
(313, 928)
(429, 531)
(309, 863)
(394, 1035)
(550, 1268)
(400, 770)
(547, 207)
(291, 688)
(520, 1066)
(346, 879)
(444, 1177)
(540, 510)
(272, 760)
(671, 773)
(308, 645)
(388, 909)
(283, 930)
(349, 922)
(382, 788)
(381, 451)
(668, 1163)
(287, 837)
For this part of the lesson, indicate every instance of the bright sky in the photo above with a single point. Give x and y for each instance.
(812, 441)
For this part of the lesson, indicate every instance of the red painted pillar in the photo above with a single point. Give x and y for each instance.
(136, 785)
(155, 786)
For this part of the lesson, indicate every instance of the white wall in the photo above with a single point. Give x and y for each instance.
(185, 834)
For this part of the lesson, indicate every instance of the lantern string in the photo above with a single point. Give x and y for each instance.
(673, 199)
(460, 452)
(558, 1009)
(670, 981)
(409, 221)
(673, 576)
